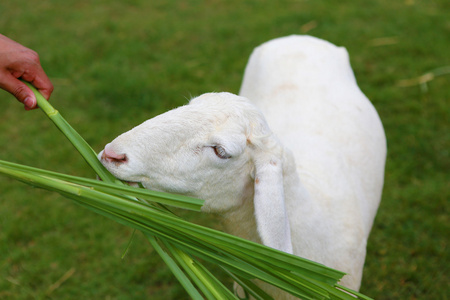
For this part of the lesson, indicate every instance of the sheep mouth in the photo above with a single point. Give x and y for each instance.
(133, 183)
(130, 183)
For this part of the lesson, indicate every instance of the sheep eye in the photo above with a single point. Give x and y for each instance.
(220, 152)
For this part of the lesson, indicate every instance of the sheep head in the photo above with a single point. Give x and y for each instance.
(217, 148)
(200, 149)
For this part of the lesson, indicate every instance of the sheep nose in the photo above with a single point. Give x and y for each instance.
(111, 156)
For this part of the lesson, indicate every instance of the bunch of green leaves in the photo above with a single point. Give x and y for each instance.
(180, 243)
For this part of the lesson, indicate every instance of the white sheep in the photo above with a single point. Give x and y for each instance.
(312, 187)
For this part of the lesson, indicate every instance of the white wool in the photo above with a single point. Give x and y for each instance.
(299, 167)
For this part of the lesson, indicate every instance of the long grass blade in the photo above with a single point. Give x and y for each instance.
(250, 288)
(179, 201)
(147, 219)
(77, 140)
(208, 284)
(177, 272)
(184, 241)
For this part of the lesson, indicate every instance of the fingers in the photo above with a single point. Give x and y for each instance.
(34, 74)
(18, 89)
(37, 77)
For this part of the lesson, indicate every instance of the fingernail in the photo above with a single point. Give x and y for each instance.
(28, 102)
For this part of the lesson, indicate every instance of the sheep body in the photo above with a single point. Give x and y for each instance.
(311, 189)
(308, 94)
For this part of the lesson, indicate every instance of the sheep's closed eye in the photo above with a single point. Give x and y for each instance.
(220, 152)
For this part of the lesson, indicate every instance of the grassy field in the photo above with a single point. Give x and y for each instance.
(117, 64)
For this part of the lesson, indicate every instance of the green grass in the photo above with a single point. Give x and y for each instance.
(117, 64)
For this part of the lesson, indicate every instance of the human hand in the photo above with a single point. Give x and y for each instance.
(17, 61)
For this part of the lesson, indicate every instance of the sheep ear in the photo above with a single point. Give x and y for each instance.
(270, 211)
